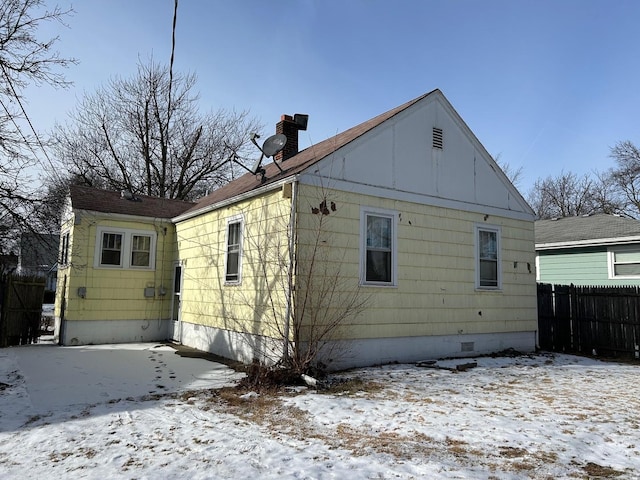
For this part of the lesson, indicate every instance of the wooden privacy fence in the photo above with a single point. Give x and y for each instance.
(588, 320)
(20, 310)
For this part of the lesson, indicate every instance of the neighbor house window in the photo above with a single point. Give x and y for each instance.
(624, 262)
(378, 247)
(488, 257)
(234, 250)
(125, 248)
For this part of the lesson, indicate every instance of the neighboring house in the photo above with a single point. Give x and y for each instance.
(115, 266)
(38, 257)
(595, 249)
(411, 213)
(8, 263)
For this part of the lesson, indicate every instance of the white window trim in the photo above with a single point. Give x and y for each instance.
(234, 219)
(378, 212)
(125, 257)
(488, 228)
(65, 248)
(611, 251)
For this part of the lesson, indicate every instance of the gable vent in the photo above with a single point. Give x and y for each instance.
(437, 138)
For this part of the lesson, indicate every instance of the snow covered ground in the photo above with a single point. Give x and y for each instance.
(140, 411)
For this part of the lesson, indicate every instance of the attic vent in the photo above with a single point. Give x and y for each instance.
(437, 138)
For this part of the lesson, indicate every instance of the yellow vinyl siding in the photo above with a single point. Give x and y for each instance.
(257, 303)
(116, 293)
(435, 293)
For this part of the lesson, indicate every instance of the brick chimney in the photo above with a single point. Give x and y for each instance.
(289, 126)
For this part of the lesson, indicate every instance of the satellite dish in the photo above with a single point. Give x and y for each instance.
(274, 144)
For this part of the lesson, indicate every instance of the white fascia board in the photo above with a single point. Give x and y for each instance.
(594, 242)
(420, 199)
(122, 216)
(236, 199)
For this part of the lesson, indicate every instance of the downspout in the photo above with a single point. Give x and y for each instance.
(290, 289)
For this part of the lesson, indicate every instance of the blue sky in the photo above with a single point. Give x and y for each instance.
(546, 85)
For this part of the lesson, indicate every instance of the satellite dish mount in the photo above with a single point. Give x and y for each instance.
(271, 146)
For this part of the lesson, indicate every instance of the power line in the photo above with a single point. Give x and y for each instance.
(26, 116)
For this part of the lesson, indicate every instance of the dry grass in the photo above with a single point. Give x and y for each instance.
(406, 441)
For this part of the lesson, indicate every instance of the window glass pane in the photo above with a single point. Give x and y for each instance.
(488, 273)
(627, 269)
(627, 257)
(111, 248)
(378, 266)
(378, 232)
(139, 259)
(234, 234)
(140, 250)
(176, 279)
(232, 266)
(488, 244)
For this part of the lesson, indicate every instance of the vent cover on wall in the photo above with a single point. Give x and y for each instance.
(437, 138)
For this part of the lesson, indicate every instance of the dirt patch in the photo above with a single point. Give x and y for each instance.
(593, 471)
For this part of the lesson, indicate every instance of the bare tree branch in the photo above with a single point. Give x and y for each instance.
(147, 134)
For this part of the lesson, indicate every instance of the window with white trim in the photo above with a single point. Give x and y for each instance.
(64, 249)
(140, 250)
(378, 245)
(624, 261)
(488, 257)
(233, 250)
(111, 250)
(124, 248)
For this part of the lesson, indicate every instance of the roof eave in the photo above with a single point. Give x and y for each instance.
(123, 216)
(235, 199)
(594, 242)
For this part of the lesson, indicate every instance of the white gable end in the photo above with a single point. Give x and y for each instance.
(397, 159)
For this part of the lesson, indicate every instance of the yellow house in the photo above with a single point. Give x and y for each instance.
(399, 239)
(115, 267)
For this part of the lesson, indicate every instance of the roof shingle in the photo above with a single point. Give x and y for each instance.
(106, 201)
(585, 228)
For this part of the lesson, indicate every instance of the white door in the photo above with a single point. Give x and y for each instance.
(176, 303)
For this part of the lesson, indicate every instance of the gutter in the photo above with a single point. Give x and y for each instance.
(235, 199)
(121, 216)
(587, 243)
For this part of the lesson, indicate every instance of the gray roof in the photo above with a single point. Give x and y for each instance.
(597, 229)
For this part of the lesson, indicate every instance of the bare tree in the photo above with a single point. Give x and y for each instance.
(146, 134)
(513, 174)
(625, 176)
(301, 289)
(563, 196)
(25, 59)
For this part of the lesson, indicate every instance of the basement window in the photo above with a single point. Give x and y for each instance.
(438, 141)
